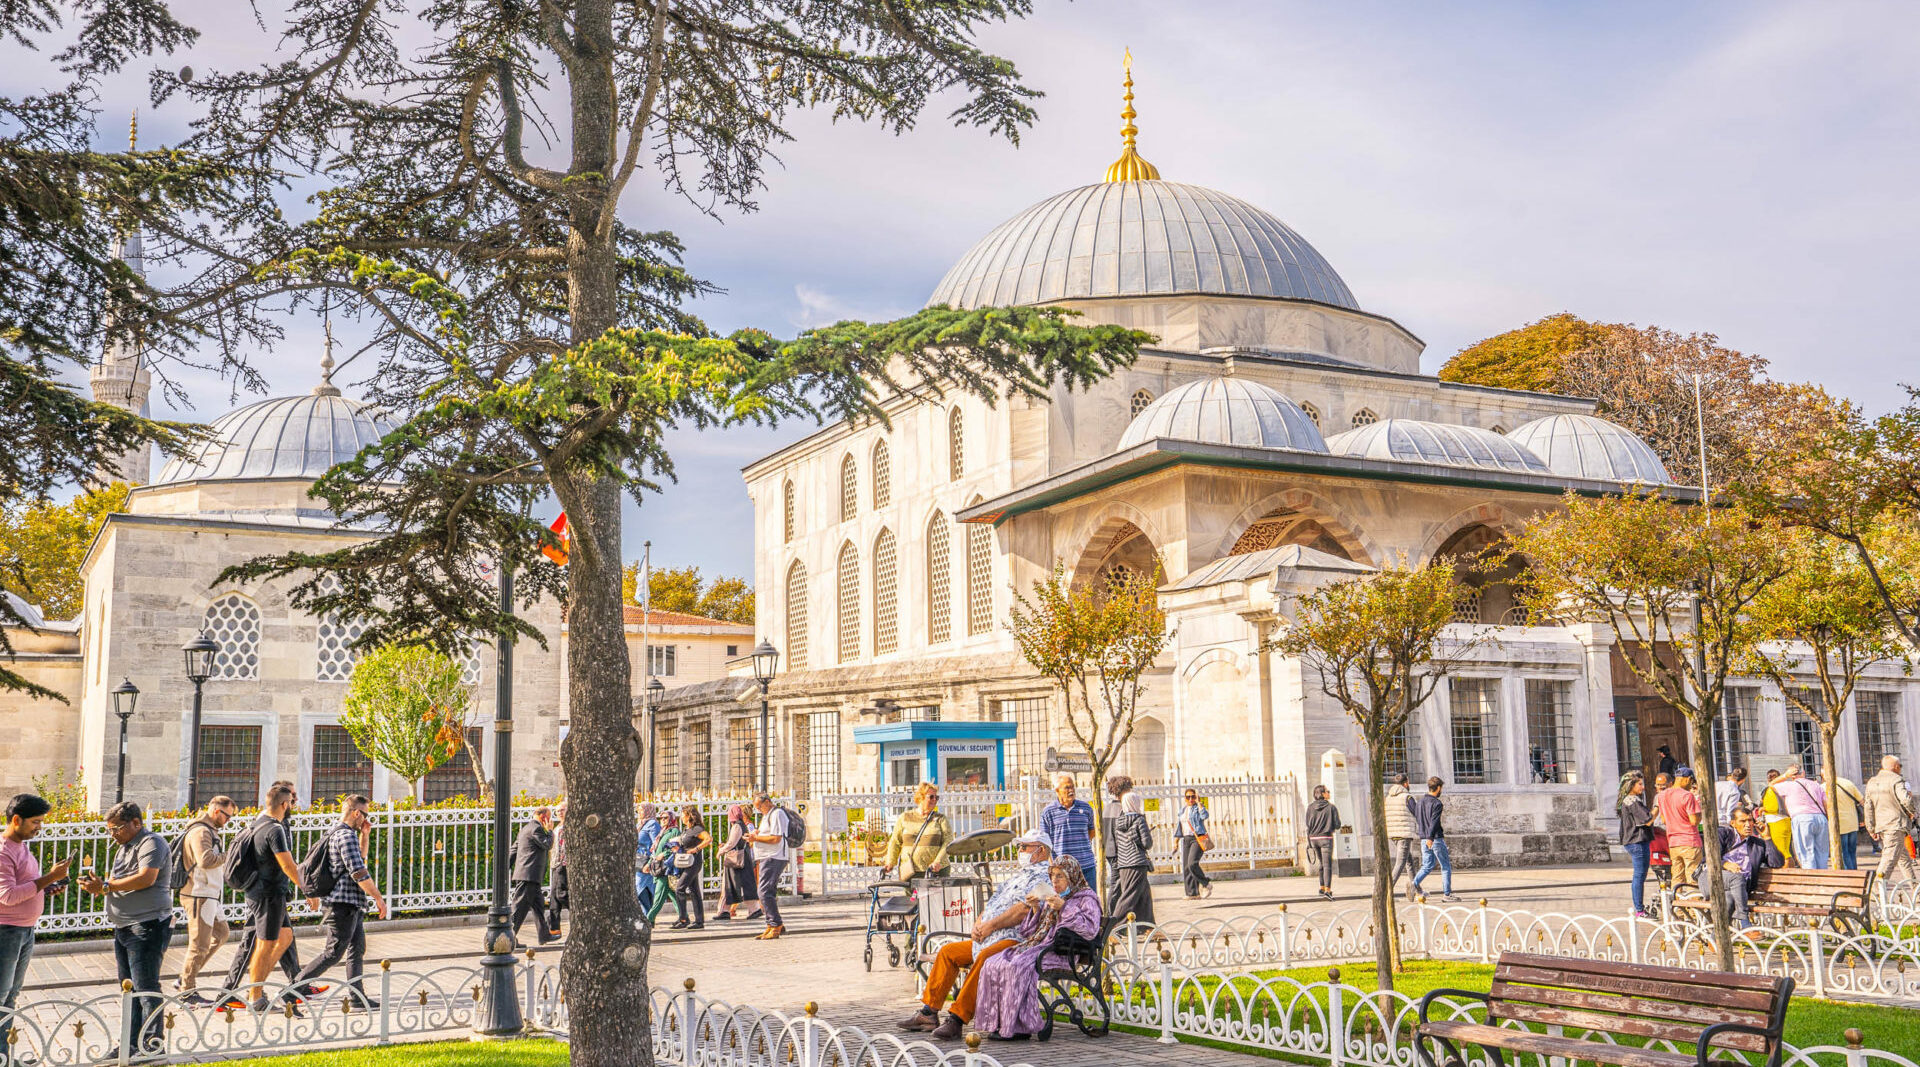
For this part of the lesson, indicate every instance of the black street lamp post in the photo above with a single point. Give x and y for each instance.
(125, 696)
(199, 652)
(655, 690)
(500, 1006)
(765, 658)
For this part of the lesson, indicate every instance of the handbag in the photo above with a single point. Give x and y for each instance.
(734, 857)
(684, 860)
(1205, 841)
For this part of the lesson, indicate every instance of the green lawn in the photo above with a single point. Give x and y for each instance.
(529, 1053)
(1809, 1021)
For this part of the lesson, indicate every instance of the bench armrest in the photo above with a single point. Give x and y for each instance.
(1860, 900)
(1703, 1046)
(1437, 993)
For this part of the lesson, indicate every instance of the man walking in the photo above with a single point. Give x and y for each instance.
(1889, 814)
(347, 903)
(560, 888)
(1679, 811)
(23, 894)
(995, 932)
(249, 937)
(771, 854)
(1400, 835)
(1427, 811)
(276, 878)
(1069, 825)
(1323, 820)
(530, 852)
(140, 910)
(1188, 830)
(204, 864)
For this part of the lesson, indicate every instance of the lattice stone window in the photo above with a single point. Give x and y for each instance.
(886, 594)
(666, 756)
(979, 578)
(849, 489)
(1738, 728)
(1028, 752)
(234, 622)
(743, 752)
(700, 747)
(1550, 756)
(1476, 731)
(956, 445)
(797, 616)
(1879, 727)
(470, 670)
(1365, 417)
(1406, 754)
(339, 767)
(882, 475)
(229, 765)
(1311, 412)
(819, 755)
(786, 513)
(939, 581)
(1141, 398)
(846, 584)
(1466, 606)
(334, 638)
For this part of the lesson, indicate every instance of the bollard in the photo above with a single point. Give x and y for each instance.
(1336, 1020)
(1133, 940)
(1633, 935)
(1486, 935)
(126, 1021)
(386, 1002)
(687, 1023)
(1286, 939)
(1856, 1056)
(1819, 964)
(810, 1037)
(973, 1048)
(1166, 998)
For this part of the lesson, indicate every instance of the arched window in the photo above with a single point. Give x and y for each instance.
(939, 581)
(1311, 412)
(849, 488)
(846, 583)
(797, 616)
(979, 577)
(1499, 429)
(234, 621)
(1365, 417)
(882, 475)
(334, 640)
(956, 445)
(1141, 398)
(786, 513)
(886, 591)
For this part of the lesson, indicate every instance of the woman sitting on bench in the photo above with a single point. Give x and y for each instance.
(1009, 999)
(1744, 851)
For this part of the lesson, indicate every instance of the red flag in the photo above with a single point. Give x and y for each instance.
(559, 555)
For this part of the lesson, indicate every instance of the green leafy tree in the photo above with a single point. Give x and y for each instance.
(1635, 564)
(1827, 602)
(532, 341)
(407, 710)
(1378, 644)
(42, 546)
(1533, 357)
(1095, 641)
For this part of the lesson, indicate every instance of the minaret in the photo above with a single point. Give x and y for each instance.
(1130, 167)
(120, 377)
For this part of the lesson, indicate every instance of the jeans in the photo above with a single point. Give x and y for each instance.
(346, 928)
(770, 872)
(1810, 845)
(1192, 878)
(1406, 857)
(1320, 850)
(138, 949)
(1641, 852)
(1436, 855)
(16, 948)
(1893, 853)
(1850, 851)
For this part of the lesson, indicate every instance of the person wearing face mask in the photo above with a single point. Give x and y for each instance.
(992, 935)
(1010, 981)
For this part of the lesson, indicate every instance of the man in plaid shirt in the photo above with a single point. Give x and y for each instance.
(346, 906)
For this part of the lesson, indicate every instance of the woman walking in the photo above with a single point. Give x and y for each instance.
(643, 856)
(919, 842)
(686, 867)
(739, 887)
(1636, 834)
(1133, 862)
(660, 864)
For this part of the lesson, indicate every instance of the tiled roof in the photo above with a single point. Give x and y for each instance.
(658, 617)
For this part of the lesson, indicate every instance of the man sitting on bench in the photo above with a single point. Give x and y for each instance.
(996, 932)
(1744, 851)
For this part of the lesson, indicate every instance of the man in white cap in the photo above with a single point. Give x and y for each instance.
(992, 935)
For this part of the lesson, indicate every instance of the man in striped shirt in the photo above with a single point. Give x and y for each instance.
(347, 903)
(1068, 823)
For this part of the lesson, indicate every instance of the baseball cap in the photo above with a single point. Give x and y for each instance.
(1033, 837)
(1683, 772)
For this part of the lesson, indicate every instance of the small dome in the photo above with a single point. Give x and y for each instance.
(1225, 411)
(286, 437)
(1583, 446)
(1414, 441)
(1140, 238)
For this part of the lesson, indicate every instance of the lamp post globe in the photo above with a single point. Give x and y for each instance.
(765, 659)
(125, 696)
(199, 653)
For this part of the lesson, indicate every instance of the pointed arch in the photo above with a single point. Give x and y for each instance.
(796, 650)
(849, 488)
(979, 576)
(1502, 519)
(939, 580)
(886, 595)
(1330, 517)
(787, 505)
(956, 444)
(1109, 527)
(882, 464)
(846, 585)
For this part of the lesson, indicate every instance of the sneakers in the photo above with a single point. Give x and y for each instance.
(1641, 913)
(196, 999)
(921, 1021)
(1450, 898)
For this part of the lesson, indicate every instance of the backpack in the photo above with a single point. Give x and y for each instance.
(796, 826)
(180, 875)
(242, 869)
(316, 871)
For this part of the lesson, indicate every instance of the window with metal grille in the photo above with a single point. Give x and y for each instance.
(1878, 722)
(234, 622)
(1365, 417)
(1405, 753)
(1466, 604)
(1311, 412)
(334, 638)
(1476, 731)
(846, 584)
(666, 756)
(1802, 733)
(797, 616)
(979, 578)
(886, 595)
(339, 767)
(849, 488)
(786, 513)
(743, 753)
(700, 761)
(819, 755)
(956, 445)
(662, 660)
(1738, 728)
(454, 778)
(1027, 755)
(229, 765)
(882, 475)
(1550, 730)
(939, 581)
(1141, 398)
(916, 713)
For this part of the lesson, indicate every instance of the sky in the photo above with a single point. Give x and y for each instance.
(1746, 169)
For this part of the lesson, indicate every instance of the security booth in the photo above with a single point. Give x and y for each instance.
(948, 754)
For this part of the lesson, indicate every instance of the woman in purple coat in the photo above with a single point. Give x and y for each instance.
(1009, 1007)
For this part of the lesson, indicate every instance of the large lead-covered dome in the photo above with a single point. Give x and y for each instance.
(1586, 446)
(1225, 411)
(1140, 238)
(286, 437)
(1415, 441)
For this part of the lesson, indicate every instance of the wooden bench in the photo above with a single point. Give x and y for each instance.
(1080, 962)
(1839, 898)
(1615, 1009)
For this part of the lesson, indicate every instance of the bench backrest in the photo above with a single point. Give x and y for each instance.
(1636, 1000)
(1801, 885)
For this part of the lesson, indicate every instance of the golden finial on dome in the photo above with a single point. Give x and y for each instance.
(1130, 167)
(133, 131)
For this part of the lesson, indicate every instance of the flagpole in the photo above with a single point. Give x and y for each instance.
(646, 650)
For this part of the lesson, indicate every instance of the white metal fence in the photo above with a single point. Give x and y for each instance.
(1251, 822)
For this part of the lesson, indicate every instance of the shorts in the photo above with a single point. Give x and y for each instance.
(268, 915)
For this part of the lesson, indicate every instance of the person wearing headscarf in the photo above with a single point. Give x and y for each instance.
(738, 883)
(1009, 1001)
(660, 864)
(685, 867)
(643, 854)
(1133, 861)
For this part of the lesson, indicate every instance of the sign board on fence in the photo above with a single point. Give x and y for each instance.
(836, 822)
(1151, 804)
(1071, 762)
(1003, 811)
